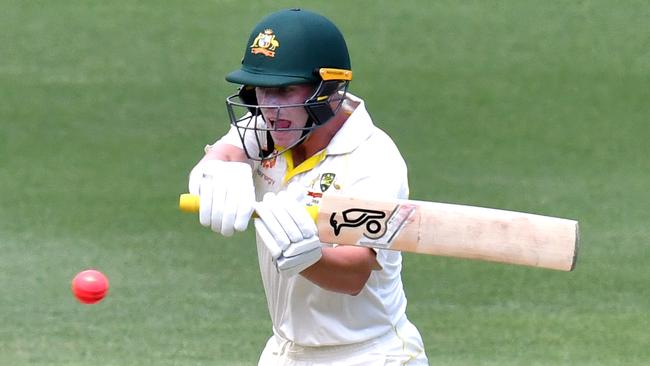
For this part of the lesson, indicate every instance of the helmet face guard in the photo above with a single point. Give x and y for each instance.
(246, 115)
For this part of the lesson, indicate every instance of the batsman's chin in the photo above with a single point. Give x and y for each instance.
(285, 138)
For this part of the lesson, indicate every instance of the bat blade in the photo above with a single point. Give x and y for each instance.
(450, 230)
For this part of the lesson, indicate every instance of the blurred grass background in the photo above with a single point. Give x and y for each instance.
(523, 105)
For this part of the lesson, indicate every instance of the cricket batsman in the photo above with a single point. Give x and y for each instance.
(296, 135)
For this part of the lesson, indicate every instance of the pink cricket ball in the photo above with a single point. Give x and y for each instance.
(89, 286)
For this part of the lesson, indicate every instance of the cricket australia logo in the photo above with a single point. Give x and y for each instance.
(326, 181)
(265, 43)
(380, 227)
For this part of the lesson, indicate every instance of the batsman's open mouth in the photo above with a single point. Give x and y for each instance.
(280, 124)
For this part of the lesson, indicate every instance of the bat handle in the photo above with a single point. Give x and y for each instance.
(189, 203)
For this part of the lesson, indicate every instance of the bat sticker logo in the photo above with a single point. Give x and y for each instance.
(379, 229)
(354, 217)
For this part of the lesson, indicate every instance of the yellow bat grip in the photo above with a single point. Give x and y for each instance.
(190, 203)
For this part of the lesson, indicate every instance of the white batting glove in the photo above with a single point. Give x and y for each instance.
(288, 232)
(226, 195)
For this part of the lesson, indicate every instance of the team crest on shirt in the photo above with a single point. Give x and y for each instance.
(320, 184)
(265, 43)
(326, 180)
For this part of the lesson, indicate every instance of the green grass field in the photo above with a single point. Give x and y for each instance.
(523, 105)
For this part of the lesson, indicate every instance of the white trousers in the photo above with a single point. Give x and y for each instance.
(400, 346)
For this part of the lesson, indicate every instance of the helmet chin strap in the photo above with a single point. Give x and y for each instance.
(307, 131)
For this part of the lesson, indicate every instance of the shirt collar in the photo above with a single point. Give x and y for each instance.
(356, 129)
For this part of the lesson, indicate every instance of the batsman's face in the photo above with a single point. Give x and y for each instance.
(287, 121)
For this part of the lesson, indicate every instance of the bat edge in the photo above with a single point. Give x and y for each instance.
(576, 248)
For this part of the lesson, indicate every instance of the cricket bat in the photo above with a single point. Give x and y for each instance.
(443, 229)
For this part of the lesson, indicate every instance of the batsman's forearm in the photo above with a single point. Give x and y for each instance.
(224, 152)
(342, 269)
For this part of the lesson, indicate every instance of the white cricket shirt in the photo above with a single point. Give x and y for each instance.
(360, 161)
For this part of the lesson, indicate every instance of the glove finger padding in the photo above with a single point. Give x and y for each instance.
(264, 210)
(226, 195)
(219, 193)
(229, 213)
(299, 215)
(288, 231)
(244, 210)
(194, 181)
(237, 206)
(267, 238)
(205, 201)
(301, 247)
(282, 212)
(299, 256)
(240, 198)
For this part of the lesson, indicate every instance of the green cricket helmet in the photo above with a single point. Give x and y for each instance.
(289, 47)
